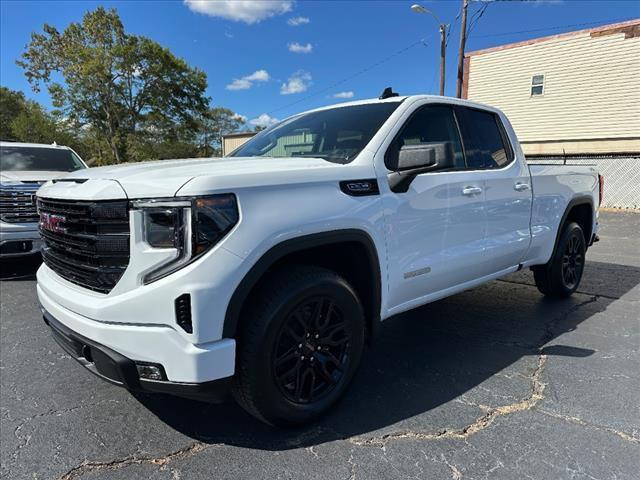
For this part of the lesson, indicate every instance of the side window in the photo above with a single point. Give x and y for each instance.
(484, 142)
(430, 124)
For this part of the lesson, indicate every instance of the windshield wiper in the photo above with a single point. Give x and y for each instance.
(324, 156)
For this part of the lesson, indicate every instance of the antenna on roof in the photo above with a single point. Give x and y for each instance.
(54, 144)
(387, 93)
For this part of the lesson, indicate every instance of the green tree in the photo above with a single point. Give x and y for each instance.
(120, 85)
(33, 124)
(213, 125)
(12, 103)
(26, 121)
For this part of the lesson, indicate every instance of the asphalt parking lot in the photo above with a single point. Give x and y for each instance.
(496, 382)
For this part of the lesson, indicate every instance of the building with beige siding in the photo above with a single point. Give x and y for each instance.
(231, 141)
(286, 147)
(570, 96)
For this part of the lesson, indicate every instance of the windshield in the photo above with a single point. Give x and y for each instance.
(337, 134)
(38, 158)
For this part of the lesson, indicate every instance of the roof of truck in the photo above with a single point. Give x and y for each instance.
(33, 145)
(398, 99)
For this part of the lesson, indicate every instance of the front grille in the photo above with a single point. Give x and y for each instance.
(16, 203)
(86, 242)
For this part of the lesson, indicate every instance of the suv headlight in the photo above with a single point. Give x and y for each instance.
(191, 226)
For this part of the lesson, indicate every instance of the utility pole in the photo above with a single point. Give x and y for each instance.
(443, 50)
(463, 39)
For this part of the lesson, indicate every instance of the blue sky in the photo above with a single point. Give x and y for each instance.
(278, 58)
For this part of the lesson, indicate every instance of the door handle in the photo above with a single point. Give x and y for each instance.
(521, 187)
(471, 190)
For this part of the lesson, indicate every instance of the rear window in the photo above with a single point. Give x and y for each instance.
(38, 158)
(484, 141)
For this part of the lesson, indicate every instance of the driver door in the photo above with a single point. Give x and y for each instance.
(436, 230)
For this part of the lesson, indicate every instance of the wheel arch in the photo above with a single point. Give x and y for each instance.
(314, 249)
(580, 210)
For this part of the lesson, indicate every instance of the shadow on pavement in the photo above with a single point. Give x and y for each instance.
(421, 360)
(20, 268)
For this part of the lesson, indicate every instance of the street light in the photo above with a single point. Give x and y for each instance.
(443, 40)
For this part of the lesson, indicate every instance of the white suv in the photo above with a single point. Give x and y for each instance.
(24, 167)
(268, 270)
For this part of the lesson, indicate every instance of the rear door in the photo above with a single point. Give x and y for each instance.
(507, 186)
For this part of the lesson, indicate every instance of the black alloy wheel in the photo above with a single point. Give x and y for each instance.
(561, 276)
(311, 353)
(573, 261)
(299, 346)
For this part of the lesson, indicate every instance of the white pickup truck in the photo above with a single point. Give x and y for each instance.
(24, 167)
(264, 273)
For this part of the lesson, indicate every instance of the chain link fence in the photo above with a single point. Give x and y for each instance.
(621, 176)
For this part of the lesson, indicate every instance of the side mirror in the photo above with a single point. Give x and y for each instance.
(416, 159)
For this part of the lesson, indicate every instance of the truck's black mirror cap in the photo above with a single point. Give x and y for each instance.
(412, 160)
(426, 157)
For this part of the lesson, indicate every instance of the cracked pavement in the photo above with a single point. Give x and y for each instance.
(493, 383)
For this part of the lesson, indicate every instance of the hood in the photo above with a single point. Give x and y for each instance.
(29, 176)
(165, 178)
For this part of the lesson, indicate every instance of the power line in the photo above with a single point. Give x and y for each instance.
(370, 67)
(358, 73)
(476, 17)
(452, 25)
(472, 23)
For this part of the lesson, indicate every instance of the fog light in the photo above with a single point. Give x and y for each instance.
(150, 372)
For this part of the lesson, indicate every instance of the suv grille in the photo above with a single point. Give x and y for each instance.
(86, 242)
(16, 203)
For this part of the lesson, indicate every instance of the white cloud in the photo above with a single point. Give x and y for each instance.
(264, 120)
(297, 83)
(246, 82)
(348, 94)
(242, 118)
(239, 84)
(297, 21)
(295, 47)
(247, 11)
(258, 76)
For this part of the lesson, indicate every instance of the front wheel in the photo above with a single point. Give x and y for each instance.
(561, 276)
(300, 346)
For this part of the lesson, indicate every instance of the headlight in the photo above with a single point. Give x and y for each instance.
(164, 227)
(191, 226)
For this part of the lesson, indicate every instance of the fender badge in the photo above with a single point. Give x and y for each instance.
(417, 273)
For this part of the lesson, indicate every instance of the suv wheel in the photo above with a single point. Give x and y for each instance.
(300, 346)
(561, 276)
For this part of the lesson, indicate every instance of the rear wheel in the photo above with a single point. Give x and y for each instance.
(561, 276)
(300, 346)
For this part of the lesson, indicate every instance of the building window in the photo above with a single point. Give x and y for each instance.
(537, 85)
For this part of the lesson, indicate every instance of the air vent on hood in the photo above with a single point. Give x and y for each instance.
(71, 180)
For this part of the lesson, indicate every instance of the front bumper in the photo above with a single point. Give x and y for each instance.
(17, 239)
(120, 370)
(185, 364)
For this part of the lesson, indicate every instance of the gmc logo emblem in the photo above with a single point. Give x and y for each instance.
(52, 223)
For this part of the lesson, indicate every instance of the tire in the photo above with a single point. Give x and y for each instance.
(299, 347)
(561, 276)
